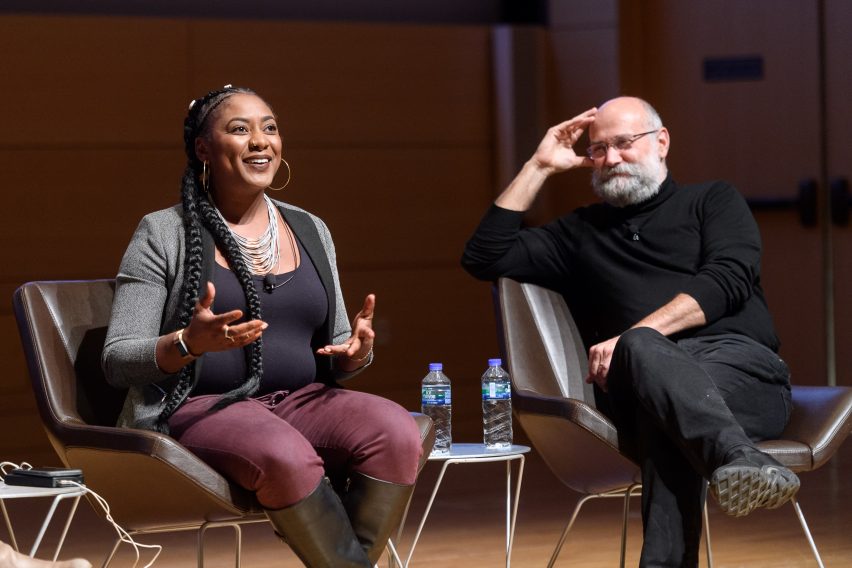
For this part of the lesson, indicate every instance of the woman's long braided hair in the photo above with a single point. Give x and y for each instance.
(199, 211)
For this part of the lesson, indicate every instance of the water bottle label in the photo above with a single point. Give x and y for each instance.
(496, 391)
(436, 396)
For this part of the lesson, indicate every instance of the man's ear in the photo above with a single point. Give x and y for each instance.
(663, 142)
(201, 149)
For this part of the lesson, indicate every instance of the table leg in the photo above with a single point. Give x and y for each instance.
(511, 508)
(426, 512)
(44, 525)
(510, 526)
(508, 509)
(393, 558)
(66, 527)
(49, 517)
(9, 526)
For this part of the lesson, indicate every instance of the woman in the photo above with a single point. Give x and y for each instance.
(256, 397)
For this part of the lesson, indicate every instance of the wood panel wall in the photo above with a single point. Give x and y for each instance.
(388, 129)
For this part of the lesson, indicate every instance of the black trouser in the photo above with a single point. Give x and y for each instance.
(680, 408)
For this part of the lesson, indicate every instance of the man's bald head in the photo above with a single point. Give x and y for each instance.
(631, 111)
(630, 145)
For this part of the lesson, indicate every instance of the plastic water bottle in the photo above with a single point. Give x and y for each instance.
(437, 404)
(496, 406)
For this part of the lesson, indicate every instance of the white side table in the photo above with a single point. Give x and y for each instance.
(58, 494)
(478, 453)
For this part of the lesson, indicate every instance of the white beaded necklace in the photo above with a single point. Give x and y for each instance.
(261, 255)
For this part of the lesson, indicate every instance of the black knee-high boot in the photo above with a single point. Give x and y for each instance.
(375, 509)
(319, 531)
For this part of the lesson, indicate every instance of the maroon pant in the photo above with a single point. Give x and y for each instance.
(280, 445)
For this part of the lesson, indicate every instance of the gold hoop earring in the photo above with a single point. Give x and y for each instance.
(205, 178)
(283, 161)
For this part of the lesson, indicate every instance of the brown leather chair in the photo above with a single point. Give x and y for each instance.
(554, 405)
(152, 483)
(556, 408)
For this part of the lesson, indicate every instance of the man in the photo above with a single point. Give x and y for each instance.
(664, 282)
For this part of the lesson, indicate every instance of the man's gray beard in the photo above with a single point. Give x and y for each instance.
(619, 190)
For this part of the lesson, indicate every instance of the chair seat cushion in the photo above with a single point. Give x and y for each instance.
(795, 455)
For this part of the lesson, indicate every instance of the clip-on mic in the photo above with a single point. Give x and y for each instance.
(631, 231)
(269, 282)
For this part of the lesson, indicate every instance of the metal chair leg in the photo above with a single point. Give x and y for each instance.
(807, 531)
(238, 541)
(707, 536)
(627, 495)
(112, 553)
(393, 556)
(564, 535)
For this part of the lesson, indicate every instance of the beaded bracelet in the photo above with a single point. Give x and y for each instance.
(370, 352)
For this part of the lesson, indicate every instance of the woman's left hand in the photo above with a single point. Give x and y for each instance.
(357, 348)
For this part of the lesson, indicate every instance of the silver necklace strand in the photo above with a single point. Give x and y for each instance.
(262, 254)
(270, 281)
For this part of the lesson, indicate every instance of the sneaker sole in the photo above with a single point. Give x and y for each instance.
(740, 489)
(780, 488)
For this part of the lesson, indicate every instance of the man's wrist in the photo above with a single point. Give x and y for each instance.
(523, 190)
(537, 170)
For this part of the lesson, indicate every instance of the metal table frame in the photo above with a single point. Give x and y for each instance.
(477, 453)
(58, 494)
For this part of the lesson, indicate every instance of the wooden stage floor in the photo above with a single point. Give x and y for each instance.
(466, 527)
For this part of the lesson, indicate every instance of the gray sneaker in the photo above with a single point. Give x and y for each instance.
(741, 485)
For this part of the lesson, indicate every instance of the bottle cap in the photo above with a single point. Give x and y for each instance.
(436, 366)
(495, 362)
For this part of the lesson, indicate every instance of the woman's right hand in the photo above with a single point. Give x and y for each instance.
(212, 332)
(206, 332)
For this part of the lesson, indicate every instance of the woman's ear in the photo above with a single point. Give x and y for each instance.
(201, 149)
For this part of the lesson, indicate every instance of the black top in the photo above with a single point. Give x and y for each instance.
(295, 311)
(617, 265)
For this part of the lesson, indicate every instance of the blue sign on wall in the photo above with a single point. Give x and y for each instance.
(746, 68)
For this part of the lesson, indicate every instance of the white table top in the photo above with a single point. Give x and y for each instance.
(467, 451)
(22, 492)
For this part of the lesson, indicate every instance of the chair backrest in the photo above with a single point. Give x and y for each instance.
(553, 404)
(546, 346)
(62, 327)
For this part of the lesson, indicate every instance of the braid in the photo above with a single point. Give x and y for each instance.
(189, 292)
(254, 361)
(197, 210)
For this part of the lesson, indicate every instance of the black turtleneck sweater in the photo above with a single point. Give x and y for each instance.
(616, 265)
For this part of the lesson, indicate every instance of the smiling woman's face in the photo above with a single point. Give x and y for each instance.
(241, 145)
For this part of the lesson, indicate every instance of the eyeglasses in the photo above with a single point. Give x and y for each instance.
(621, 143)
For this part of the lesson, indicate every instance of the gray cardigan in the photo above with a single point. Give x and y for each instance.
(147, 298)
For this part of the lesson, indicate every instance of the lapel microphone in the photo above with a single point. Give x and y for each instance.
(269, 282)
(631, 231)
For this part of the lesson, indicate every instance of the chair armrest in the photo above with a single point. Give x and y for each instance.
(571, 409)
(147, 442)
(427, 437)
(821, 419)
(578, 443)
(83, 442)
